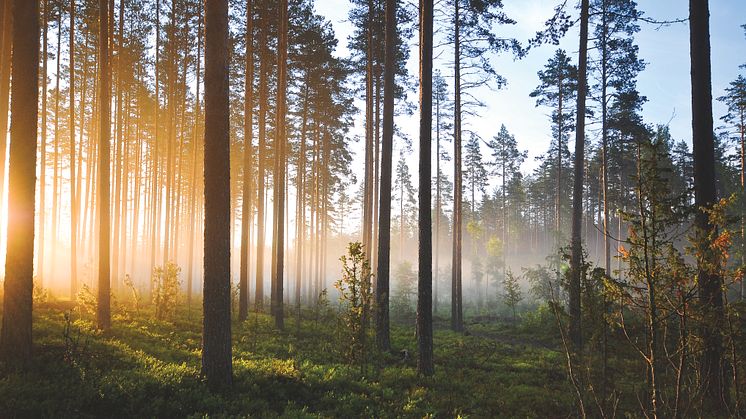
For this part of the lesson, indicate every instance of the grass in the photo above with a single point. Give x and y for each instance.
(148, 368)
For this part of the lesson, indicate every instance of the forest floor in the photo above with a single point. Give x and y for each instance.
(149, 368)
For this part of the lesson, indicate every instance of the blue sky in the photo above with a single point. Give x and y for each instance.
(665, 81)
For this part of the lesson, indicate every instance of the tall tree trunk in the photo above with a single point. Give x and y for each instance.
(368, 181)
(280, 166)
(195, 152)
(243, 293)
(155, 155)
(171, 133)
(425, 270)
(605, 192)
(42, 148)
(436, 268)
(15, 337)
(742, 131)
(300, 219)
(576, 246)
(103, 308)
(74, 206)
(79, 180)
(383, 339)
(714, 385)
(457, 319)
(6, 52)
(56, 153)
(560, 133)
(216, 326)
(261, 159)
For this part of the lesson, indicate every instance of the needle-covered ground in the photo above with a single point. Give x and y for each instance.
(149, 368)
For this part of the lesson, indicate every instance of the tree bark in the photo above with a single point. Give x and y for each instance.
(260, 230)
(216, 326)
(15, 337)
(368, 181)
(457, 318)
(42, 147)
(195, 152)
(6, 52)
(74, 206)
(714, 385)
(576, 246)
(243, 293)
(280, 166)
(383, 339)
(425, 270)
(103, 309)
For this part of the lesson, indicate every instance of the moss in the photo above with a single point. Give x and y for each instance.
(147, 368)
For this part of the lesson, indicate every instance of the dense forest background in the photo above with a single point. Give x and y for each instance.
(225, 156)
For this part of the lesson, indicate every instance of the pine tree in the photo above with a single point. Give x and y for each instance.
(407, 201)
(507, 160)
(442, 107)
(280, 166)
(714, 386)
(616, 70)
(216, 332)
(475, 170)
(512, 295)
(103, 309)
(425, 364)
(471, 34)
(243, 297)
(15, 336)
(558, 88)
(735, 99)
(384, 240)
(576, 246)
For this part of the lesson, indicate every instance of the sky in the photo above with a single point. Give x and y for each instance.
(665, 81)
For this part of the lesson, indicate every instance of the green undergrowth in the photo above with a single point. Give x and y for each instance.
(149, 368)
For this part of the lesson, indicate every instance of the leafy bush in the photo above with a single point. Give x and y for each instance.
(40, 294)
(136, 296)
(165, 285)
(355, 300)
(86, 301)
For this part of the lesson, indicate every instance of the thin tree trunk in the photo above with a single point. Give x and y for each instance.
(300, 219)
(42, 148)
(457, 319)
(74, 207)
(263, 76)
(576, 246)
(368, 187)
(425, 271)
(103, 308)
(195, 152)
(243, 293)
(155, 155)
(280, 163)
(383, 339)
(55, 157)
(436, 268)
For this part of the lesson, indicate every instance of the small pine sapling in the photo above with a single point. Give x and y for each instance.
(355, 300)
(512, 295)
